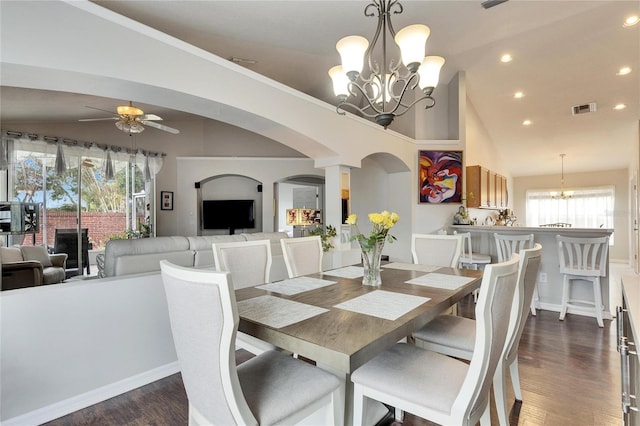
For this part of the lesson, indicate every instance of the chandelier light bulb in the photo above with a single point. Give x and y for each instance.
(429, 72)
(340, 82)
(352, 50)
(412, 41)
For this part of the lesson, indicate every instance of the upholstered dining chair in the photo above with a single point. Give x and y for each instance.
(436, 249)
(582, 259)
(455, 336)
(268, 389)
(506, 245)
(302, 256)
(249, 263)
(436, 387)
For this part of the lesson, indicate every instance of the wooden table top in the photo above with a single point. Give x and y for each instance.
(345, 340)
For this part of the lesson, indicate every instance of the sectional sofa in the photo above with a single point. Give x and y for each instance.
(124, 257)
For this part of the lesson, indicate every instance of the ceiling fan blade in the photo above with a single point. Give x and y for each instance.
(99, 119)
(100, 109)
(160, 127)
(150, 117)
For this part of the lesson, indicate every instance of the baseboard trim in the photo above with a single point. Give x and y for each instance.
(78, 402)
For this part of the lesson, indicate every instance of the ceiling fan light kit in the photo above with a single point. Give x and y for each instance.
(384, 89)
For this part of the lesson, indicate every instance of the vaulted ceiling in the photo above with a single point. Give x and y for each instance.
(565, 53)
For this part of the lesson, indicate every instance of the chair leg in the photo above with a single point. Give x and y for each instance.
(565, 297)
(358, 406)
(515, 378)
(535, 301)
(499, 392)
(597, 297)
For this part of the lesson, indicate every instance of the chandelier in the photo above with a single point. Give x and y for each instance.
(563, 194)
(384, 89)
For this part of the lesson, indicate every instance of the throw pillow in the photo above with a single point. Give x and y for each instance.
(10, 254)
(38, 253)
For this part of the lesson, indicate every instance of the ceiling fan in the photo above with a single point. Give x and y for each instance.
(130, 119)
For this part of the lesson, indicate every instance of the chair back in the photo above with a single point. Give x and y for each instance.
(302, 256)
(583, 256)
(467, 251)
(436, 249)
(248, 261)
(204, 321)
(527, 276)
(507, 245)
(493, 309)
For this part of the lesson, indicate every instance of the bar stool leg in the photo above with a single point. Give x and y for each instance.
(597, 298)
(565, 296)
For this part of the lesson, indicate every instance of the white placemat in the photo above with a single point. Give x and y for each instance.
(411, 267)
(346, 272)
(276, 312)
(448, 282)
(296, 285)
(383, 304)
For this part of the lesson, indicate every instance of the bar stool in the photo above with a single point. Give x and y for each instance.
(582, 259)
(469, 259)
(506, 245)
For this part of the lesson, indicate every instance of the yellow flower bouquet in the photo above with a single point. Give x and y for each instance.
(372, 244)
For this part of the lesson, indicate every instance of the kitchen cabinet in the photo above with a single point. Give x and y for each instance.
(627, 323)
(486, 189)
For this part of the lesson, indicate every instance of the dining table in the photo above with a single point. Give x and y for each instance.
(334, 320)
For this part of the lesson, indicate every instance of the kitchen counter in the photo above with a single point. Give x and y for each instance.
(549, 278)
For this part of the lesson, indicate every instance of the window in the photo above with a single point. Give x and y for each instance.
(587, 208)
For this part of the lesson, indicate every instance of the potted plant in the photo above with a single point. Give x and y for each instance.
(326, 234)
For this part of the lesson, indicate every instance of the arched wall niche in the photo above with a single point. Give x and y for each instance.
(230, 187)
(298, 191)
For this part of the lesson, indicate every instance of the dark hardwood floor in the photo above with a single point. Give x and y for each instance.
(569, 374)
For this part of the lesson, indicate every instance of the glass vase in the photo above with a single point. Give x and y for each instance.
(371, 263)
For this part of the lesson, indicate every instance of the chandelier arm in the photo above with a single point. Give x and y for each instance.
(431, 102)
(352, 86)
(399, 10)
(373, 67)
(340, 109)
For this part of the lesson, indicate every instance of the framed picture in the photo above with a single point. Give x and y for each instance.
(166, 200)
(440, 177)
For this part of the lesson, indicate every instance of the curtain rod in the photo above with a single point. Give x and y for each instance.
(74, 142)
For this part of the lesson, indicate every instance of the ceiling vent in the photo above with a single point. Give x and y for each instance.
(583, 109)
(490, 3)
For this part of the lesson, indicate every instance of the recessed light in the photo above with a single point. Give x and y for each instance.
(506, 58)
(631, 21)
(518, 95)
(618, 107)
(526, 123)
(624, 71)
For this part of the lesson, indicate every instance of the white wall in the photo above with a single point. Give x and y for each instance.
(65, 347)
(618, 178)
(265, 170)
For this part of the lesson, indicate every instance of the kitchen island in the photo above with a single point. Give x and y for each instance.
(549, 278)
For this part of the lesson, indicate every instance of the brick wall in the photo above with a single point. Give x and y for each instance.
(101, 226)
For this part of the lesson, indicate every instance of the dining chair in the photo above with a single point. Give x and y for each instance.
(436, 249)
(582, 259)
(436, 387)
(506, 245)
(455, 336)
(302, 255)
(249, 263)
(268, 389)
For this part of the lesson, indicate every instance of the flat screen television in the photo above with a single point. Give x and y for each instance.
(228, 214)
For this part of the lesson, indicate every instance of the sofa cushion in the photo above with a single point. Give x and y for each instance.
(38, 253)
(119, 249)
(10, 254)
(150, 262)
(271, 236)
